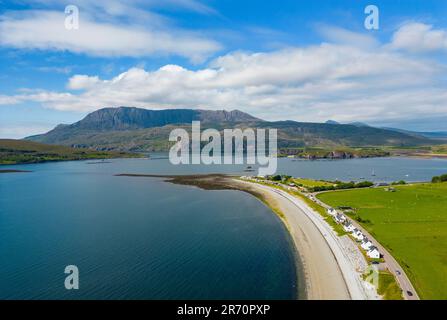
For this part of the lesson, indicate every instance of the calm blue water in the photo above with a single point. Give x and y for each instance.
(384, 169)
(142, 238)
(136, 238)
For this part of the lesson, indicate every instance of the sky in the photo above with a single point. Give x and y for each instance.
(309, 61)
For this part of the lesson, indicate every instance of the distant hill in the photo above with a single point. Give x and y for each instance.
(134, 129)
(21, 151)
(442, 135)
(359, 124)
(435, 135)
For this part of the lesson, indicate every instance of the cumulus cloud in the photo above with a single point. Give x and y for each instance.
(4, 100)
(79, 82)
(420, 37)
(353, 78)
(105, 37)
(347, 37)
(329, 81)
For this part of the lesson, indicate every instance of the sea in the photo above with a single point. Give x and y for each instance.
(144, 238)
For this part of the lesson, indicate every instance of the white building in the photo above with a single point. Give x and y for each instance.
(373, 253)
(332, 212)
(339, 218)
(366, 244)
(348, 227)
(357, 234)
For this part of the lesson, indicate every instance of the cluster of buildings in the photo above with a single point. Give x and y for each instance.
(366, 244)
(254, 178)
(371, 250)
(264, 179)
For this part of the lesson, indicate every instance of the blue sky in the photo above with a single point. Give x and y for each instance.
(300, 60)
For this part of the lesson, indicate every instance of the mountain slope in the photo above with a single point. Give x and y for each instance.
(125, 118)
(133, 129)
(432, 135)
(327, 135)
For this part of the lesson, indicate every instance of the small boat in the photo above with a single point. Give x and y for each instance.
(249, 169)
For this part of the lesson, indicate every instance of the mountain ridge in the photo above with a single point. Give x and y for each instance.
(126, 118)
(135, 129)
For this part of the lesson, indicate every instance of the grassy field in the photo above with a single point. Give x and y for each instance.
(20, 151)
(422, 151)
(308, 183)
(411, 223)
(388, 287)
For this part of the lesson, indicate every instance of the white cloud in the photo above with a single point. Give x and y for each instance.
(309, 84)
(78, 82)
(45, 30)
(347, 37)
(420, 37)
(345, 81)
(5, 100)
(134, 8)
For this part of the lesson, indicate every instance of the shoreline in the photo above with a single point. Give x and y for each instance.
(439, 156)
(67, 160)
(323, 266)
(14, 171)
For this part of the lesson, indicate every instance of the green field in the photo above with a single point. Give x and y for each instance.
(388, 287)
(308, 183)
(411, 223)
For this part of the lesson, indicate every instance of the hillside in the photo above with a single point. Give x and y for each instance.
(441, 135)
(133, 129)
(20, 151)
(127, 118)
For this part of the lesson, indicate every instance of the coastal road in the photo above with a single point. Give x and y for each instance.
(332, 272)
(352, 279)
(391, 263)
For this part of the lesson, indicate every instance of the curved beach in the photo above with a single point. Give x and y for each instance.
(324, 278)
(329, 273)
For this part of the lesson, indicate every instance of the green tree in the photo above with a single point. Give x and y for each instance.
(436, 179)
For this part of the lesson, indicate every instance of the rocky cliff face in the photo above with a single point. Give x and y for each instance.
(125, 118)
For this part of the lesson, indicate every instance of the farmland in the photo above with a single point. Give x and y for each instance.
(411, 223)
